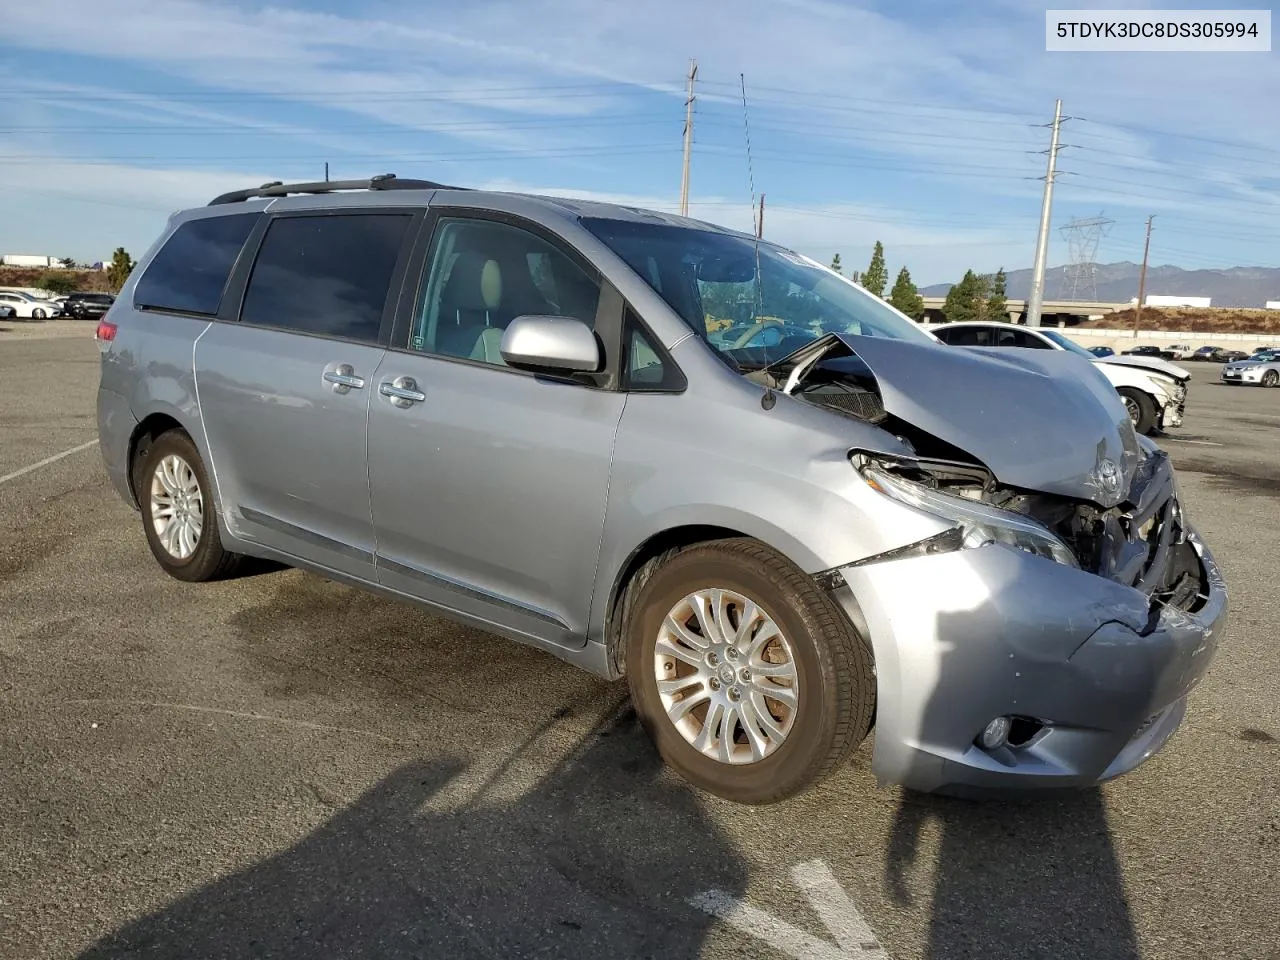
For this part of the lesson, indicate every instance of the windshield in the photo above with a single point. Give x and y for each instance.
(1068, 344)
(754, 302)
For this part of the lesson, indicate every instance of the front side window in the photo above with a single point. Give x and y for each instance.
(755, 302)
(326, 275)
(1066, 343)
(189, 272)
(481, 275)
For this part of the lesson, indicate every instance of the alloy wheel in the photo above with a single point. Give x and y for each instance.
(177, 506)
(726, 676)
(1131, 405)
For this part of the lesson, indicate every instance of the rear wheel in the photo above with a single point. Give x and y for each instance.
(38, 313)
(1270, 378)
(752, 683)
(178, 511)
(1142, 410)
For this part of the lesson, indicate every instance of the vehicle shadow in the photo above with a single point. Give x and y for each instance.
(596, 860)
(1028, 875)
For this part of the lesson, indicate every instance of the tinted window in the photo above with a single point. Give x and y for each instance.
(190, 270)
(965, 337)
(326, 275)
(482, 275)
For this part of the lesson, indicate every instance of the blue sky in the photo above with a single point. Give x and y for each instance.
(915, 122)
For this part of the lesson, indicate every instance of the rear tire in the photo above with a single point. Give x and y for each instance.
(37, 313)
(179, 514)
(1142, 410)
(829, 683)
(1270, 378)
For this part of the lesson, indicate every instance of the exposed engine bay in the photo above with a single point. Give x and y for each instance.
(1140, 540)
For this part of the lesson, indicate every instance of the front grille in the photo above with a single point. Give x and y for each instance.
(847, 398)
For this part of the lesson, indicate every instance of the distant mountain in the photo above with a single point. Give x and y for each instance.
(1118, 283)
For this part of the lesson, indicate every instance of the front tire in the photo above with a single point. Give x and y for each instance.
(752, 683)
(1270, 378)
(179, 515)
(1142, 410)
(37, 313)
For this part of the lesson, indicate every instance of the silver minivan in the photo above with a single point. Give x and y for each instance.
(664, 450)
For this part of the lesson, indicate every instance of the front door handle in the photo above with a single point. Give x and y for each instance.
(344, 379)
(402, 391)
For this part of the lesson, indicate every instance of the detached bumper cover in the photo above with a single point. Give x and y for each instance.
(116, 424)
(963, 637)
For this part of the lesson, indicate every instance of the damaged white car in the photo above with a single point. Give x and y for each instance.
(1154, 391)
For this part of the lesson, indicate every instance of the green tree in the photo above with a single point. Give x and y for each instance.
(963, 300)
(835, 263)
(906, 297)
(876, 276)
(67, 263)
(56, 281)
(119, 269)
(997, 303)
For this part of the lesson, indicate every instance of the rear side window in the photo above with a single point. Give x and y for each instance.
(188, 273)
(326, 275)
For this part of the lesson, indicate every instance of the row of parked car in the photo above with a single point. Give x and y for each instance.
(18, 304)
(1208, 354)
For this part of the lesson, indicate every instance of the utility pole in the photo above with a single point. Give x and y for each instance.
(688, 140)
(1036, 300)
(760, 220)
(1142, 277)
(326, 171)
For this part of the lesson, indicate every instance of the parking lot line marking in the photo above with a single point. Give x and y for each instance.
(1203, 443)
(46, 461)
(853, 937)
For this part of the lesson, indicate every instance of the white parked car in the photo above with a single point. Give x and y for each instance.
(28, 307)
(1153, 390)
(1181, 351)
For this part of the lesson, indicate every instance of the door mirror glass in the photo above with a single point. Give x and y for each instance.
(550, 345)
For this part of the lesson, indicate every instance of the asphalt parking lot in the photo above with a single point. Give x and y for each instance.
(282, 766)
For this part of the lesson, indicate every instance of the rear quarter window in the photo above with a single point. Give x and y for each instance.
(189, 272)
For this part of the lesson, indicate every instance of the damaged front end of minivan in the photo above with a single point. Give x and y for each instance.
(1050, 634)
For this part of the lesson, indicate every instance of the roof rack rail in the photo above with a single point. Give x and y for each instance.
(276, 188)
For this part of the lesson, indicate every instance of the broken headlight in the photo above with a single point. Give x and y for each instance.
(980, 523)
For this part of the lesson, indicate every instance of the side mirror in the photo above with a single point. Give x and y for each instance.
(555, 345)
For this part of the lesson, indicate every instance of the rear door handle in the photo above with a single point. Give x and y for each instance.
(402, 391)
(344, 379)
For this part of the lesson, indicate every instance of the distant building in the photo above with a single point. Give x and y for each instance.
(1156, 300)
(1273, 305)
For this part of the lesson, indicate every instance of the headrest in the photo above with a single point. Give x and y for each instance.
(491, 285)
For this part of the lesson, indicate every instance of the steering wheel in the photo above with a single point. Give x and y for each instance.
(753, 331)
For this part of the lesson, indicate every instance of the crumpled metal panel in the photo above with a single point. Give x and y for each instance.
(1044, 420)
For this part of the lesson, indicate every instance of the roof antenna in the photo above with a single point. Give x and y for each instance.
(751, 180)
(769, 399)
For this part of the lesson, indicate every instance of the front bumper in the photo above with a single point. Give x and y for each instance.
(964, 637)
(1173, 406)
(1244, 375)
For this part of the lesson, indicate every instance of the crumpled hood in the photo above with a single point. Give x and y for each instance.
(1039, 419)
(1157, 364)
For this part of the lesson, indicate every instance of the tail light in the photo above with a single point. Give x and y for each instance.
(106, 331)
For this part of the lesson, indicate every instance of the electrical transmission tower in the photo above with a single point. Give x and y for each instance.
(1083, 237)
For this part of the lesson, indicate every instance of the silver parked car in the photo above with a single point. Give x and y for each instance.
(1262, 369)
(661, 449)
